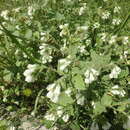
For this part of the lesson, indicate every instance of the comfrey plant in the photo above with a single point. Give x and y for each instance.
(72, 59)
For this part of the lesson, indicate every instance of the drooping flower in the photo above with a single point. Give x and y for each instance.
(45, 52)
(53, 92)
(96, 25)
(116, 21)
(65, 117)
(112, 39)
(126, 125)
(50, 116)
(82, 49)
(82, 9)
(64, 29)
(94, 126)
(80, 99)
(125, 40)
(59, 111)
(103, 37)
(68, 91)
(106, 126)
(117, 9)
(115, 72)
(29, 77)
(105, 15)
(4, 14)
(117, 91)
(63, 63)
(90, 75)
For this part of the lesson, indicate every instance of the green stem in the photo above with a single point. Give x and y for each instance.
(36, 101)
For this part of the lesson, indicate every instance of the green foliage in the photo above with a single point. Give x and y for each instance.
(69, 59)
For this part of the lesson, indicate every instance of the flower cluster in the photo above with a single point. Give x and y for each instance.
(115, 72)
(45, 52)
(53, 92)
(90, 75)
(29, 73)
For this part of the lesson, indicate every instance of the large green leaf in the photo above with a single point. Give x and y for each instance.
(106, 100)
(99, 61)
(64, 99)
(79, 82)
(28, 34)
(99, 108)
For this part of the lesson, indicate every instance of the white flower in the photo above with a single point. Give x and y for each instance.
(63, 63)
(106, 126)
(46, 58)
(82, 49)
(64, 29)
(116, 91)
(82, 10)
(30, 10)
(116, 21)
(65, 118)
(59, 111)
(125, 40)
(68, 91)
(45, 52)
(50, 116)
(96, 25)
(29, 77)
(16, 10)
(53, 128)
(103, 37)
(94, 126)
(115, 72)
(117, 9)
(105, 15)
(54, 92)
(115, 87)
(126, 125)
(113, 39)
(82, 28)
(4, 14)
(93, 104)
(80, 99)
(90, 75)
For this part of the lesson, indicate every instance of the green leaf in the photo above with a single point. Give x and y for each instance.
(99, 108)
(64, 99)
(121, 108)
(7, 76)
(59, 16)
(79, 82)
(28, 34)
(124, 73)
(74, 126)
(99, 61)
(47, 123)
(106, 100)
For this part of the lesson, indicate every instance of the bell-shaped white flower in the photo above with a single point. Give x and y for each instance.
(65, 117)
(50, 116)
(106, 126)
(115, 72)
(54, 92)
(63, 63)
(29, 77)
(117, 91)
(126, 125)
(59, 111)
(94, 126)
(91, 75)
